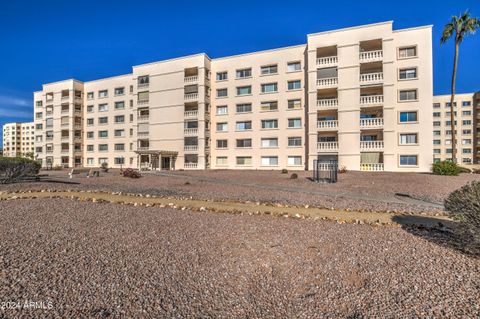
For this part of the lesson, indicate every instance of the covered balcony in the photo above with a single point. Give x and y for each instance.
(371, 118)
(327, 56)
(143, 98)
(191, 92)
(143, 145)
(143, 129)
(190, 144)
(143, 114)
(190, 75)
(65, 108)
(65, 134)
(327, 120)
(191, 110)
(371, 140)
(65, 147)
(327, 98)
(327, 77)
(191, 161)
(371, 73)
(371, 51)
(191, 128)
(65, 95)
(327, 142)
(371, 161)
(371, 96)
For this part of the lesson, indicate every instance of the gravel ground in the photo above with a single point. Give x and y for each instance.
(100, 260)
(354, 190)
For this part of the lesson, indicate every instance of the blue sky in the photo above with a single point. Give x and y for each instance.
(47, 41)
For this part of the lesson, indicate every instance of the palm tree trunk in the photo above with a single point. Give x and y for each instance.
(452, 98)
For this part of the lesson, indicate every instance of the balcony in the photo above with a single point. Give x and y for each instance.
(371, 100)
(190, 148)
(327, 146)
(191, 114)
(371, 145)
(143, 117)
(142, 102)
(371, 56)
(143, 133)
(326, 82)
(327, 61)
(190, 165)
(332, 124)
(190, 131)
(374, 123)
(190, 79)
(143, 85)
(371, 78)
(371, 167)
(327, 102)
(191, 96)
(143, 148)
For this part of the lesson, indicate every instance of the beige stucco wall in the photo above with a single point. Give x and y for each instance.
(18, 139)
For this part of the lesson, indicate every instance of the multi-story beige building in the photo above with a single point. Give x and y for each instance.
(18, 139)
(466, 113)
(360, 95)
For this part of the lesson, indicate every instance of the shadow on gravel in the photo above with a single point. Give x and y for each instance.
(444, 233)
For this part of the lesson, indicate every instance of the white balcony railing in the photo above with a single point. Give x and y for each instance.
(190, 165)
(190, 131)
(143, 85)
(327, 124)
(142, 102)
(143, 133)
(190, 79)
(191, 114)
(327, 102)
(191, 96)
(371, 77)
(190, 148)
(327, 82)
(327, 146)
(371, 145)
(65, 98)
(329, 60)
(371, 99)
(371, 167)
(371, 123)
(143, 148)
(143, 117)
(371, 55)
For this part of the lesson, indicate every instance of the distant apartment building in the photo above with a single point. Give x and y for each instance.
(359, 95)
(18, 139)
(466, 107)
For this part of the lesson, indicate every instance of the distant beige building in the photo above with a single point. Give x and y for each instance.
(358, 95)
(466, 117)
(18, 139)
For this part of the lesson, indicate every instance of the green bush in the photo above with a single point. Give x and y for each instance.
(131, 173)
(284, 171)
(464, 205)
(13, 169)
(448, 168)
(294, 176)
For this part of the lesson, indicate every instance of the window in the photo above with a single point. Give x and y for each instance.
(90, 148)
(466, 132)
(243, 126)
(244, 73)
(466, 141)
(405, 74)
(466, 103)
(119, 147)
(269, 142)
(407, 52)
(244, 161)
(269, 160)
(102, 147)
(269, 69)
(295, 141)
(269, 124)
(408, 95)
(102, 134)
(406, 117)
(408, 160)
(222, 127)
(436, 133)
(244, 108)
(119, 133)
(436, 114)
(293, 66)
(448, 123)
(269, 106)
(409, 138)
(244, 90)
(119, 105)
(466, 113)
(90, 135)
(244, 143)
(120, 91)
(437, 151)
(466, 122)
(447, 104)
(103, 120)
(295, 123)
(143, 80)
(222, 76)
(221, 161)
(222, 92)
(222, 110)
(466, 160)
(89, 122)
(437, 123)
(89, 161)
(294, 104)
(90, 96)
(39, 103)
(436, 142)
(102, 107)
(294, 85)
(466, 151)
(448, 114)
(143, 96)
(269, 87)
(102, 160)
(222, 143)
(119, 160)
(89, 108)
(436, 105)
(102, 94)
(38, 115)
(119, 119)
(294, 161)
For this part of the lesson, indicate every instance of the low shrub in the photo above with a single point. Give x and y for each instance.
(463, 205)
(294, 176)
(104, 167)
(447, 168)
(464, 170)
(131, 173)
(13, 169)
(342, 169)
(284, 171)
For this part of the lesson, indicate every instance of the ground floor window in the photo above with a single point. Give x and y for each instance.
(269, 160)
(244, 160)
(119, 160)
(90, 161)
(408, 160)
(102, 160)
(294, 160)
(222, 160)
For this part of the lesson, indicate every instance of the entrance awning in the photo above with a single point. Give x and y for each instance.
(153, 152)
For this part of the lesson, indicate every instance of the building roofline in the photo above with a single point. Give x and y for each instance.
(56, 82)
(260, 52)
(442, 95)
(429, 26)
(172, 59)
(351, 28)
(109, 78)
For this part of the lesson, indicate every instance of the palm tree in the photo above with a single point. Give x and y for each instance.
(460, 27)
